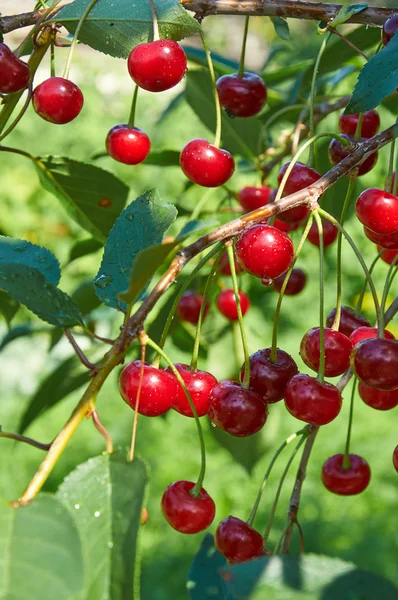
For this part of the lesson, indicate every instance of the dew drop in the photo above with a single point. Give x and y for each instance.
(267, 282)
(19, 248)
(77, 506)
(97, 513)
(103, 281)
(130, 217)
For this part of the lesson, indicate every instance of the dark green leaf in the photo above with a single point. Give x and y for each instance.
(224, 66)
(141, 224)
(284, 73)
(106, 495)
(92, 197)
(204, 581)
(195, 226)
(21, 252)
(165, 158)
(83, 248)
(85, 297)
(8, 307)
(21, 331)
(281, 27)
(116, 27)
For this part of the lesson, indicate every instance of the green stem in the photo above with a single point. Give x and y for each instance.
(392, 271)
(75, 36)
(217, 139)
(243, 53)
(312, 93)
(239, 358)
(362, 294)
(358, 130)
(202, 202)
(321, 371)
(388, 186)
(133, 107)
(346, 459)
(52, 59)
(19, 116)
(155, 22)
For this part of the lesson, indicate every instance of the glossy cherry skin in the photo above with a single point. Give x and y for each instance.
(378, 399)
(349, 320)
(158, 392)
(267, 378)
(337, 351)
(57, 100)
(375, 362)
(14, 73)
(390, 242)
(378, 211)
(238, 541)
(205, 164)
(199, 384)
(242, 96)
(264, 251)
(157, 66)
(370, 124)
(223, 265)
(252, 197)
(227, 306)
(128, 145)
(337, 152)
(388, 256)
(367, 333)
(237, 411)
(389, 28)
(295, 284)
(395, 458)
(301, 177)
(189, 306)
(184, 512)
(330, 233)
(311, 401)
(346, 482)
(285, 226)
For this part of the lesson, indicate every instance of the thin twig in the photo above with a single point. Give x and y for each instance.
(21, 438)
(79, 352)
(347, 41)
(105, 434)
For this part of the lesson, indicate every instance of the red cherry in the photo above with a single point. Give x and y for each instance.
(57, 100)
(223, 265)
(330, 233)
(252, 197)
(384, 241)
(157, 66)
(379, 399)
(295, 215)
(370, 123)
(388, 256)
(311, 401)
(237, 541)
(205, 164)
(346, 482)
(267, 378)
(389, 28)
(189, 306)
(337, 152)
(378, 211)
(129, 145)
(199, 384)
(242, 96)
(285, 226)
(238, 411)
(184, 512)
(349, 320)
(367, 333)
(337, 351)
(14, 73)
(295, 284)
(227, 306)
(301, 177)
(265, 252)
(395, 459)
(158, 392)
(375, 362)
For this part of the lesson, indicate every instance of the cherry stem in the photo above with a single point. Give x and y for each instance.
(347, 41)
(312, 93)
(79, 352)
(52, 58)
(346, 459)
(198, 486)
(21, 438)
(392, 271)
(389, 185)
(274, 117)
(202, 202)
(362, 294)
(105, 434)
(155, 22)
(243, 53)
(75, 40)
(143, 341)
(358, 130)
(217, 139)
(321, 370)
(20, 114)
(133, 107)
(395, 186)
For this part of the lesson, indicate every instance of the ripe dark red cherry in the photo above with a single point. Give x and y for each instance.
(128, 145)
(349, 320)
(370, 123)
(330, 233)
(301, 177)
(184, 512)
(378, 399)
(337, 351)
(389, 28)
(14, 73)
(337, 152)
(346, 482)
(367, 333)
(242, 96)
(157, 66)
(388, 256)
(57, 100)
(375, 362)
(227, 306)
(199, 384)
(285, 226)
(378, 211)
(395, 459)
(267, 378)
(189, 306)
(311, 401)
(158, 392)
(264, 251)
(390, 242)
(252, 197)
(295, 284)
(237, 541)
(238, 411)
(205, 164)
(223, 265)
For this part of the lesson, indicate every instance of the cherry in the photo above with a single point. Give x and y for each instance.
(242, 96)
(238, 411)
(129, 145)
(346, 482)
(395, 459)
(349, 320)
(14, 73)
(384, 241)
(370, 123)
(157, 66)
(267, 378)
(379, 399)
(388, 256)
(183, 511)
(223, 265)
(311, 401)
(338, 152)
(337, 351)
(189, 306)
(285, 226)
(57, 100)
(389, 28)
(199, 384)
(227, 306)
(367, 333)
(238, 541)
(301, 177)
(158, 391)
(375, 362)
(330, 233)
(253, 197)
(265, 252)
(378, 211)
(205, 164)
(295, 284)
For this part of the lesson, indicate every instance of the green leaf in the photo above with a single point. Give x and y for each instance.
(85, 297)
(141, 224)
(40, 552)
(21, 252)
(195, 226)
(346, 12)
(281, 27)
(204, 581)
(116, 27)
(8, 307)
(106, 495)
(245, 451)
(165, 158)
(83, 248)
(224, 66)
(92, 197)
(21, 331)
